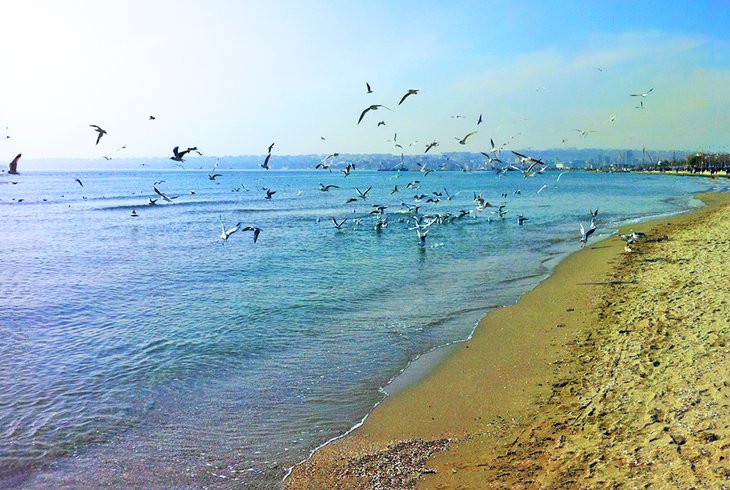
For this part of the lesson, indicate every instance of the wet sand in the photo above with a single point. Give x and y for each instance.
(614, 370)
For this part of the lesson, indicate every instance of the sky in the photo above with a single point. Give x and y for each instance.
(231, 77)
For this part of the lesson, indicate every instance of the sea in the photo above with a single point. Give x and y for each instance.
(147, 352)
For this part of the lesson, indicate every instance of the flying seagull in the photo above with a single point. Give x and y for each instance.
(271, 147)
(338, 225)
(585, 234)
(373, 107)
(265, 165)
(213, 177)
(431, 145)
(367, 85)
(98, 130)
(230, 231)
(165, 197)
(256, 232)
(80, 183)
(151, 118)
(643, 94)
(408, 94)
(363, 194)
(462, 141)
(178, 155)
(13, 167)
(269, 192)
(326, 188)
(479, 121)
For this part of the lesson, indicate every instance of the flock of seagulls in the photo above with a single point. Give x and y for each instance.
(527, 165)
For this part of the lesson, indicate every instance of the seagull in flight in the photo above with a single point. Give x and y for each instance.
(80, 183)
(230, 231)
(363, 194)
(271, 147)
(213, 177)
(269, 192)
(542, 188)
(584, 234)
(408, 94)
(373, 107)
(178, 155)
(431, 145)
(326, 188)
(256, 232)
(265, 165)
(643, 94)
(462, 141)
(164, 197)
(338, 225)
(367, 85)
(151, 118)
(479, 121)
(98, 130)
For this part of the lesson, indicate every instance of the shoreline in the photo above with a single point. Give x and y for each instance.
(466, 403)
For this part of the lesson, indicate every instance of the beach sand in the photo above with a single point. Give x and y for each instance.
(614, 370)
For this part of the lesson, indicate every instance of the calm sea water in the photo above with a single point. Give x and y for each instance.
(146, 352)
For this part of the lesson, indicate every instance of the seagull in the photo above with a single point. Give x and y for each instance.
(559, 175)
(256, 232)
(323, 164)
(367, 85)
(98, 130)
(107, 158)
(265, 165)
(338, 225)
(152, 202)
(159, 182)
(644, 94)
(163, 196)
(584, 132)
(479, 121)
(227, 233)
(462, 141)
(541, 188)
(213, 177)
(271, 147)
(612, 118)
(363, 195)
(326, 188)
(408, 94)
(521, 219)
(373, 107)
(585, 234)
(640, 106)
(151, 118)
(13, 166)
(178, 155)
(381, 123)
(431, 145)
(349, 168)
(134, 214)
(80, 183)
(269, 192)
(421, 237)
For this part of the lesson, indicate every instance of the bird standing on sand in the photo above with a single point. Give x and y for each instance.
(98, 130)
(408, 94)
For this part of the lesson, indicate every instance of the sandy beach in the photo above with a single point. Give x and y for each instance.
(614, 370)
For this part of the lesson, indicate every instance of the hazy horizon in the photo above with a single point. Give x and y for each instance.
(233, 77)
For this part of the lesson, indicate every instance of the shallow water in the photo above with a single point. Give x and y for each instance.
(146, 352)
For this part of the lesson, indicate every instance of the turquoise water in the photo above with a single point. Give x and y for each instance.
(146, 352)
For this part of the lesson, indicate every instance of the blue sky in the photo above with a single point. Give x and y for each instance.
(233, 76)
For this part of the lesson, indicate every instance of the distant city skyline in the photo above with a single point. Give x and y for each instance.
(233, 77)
